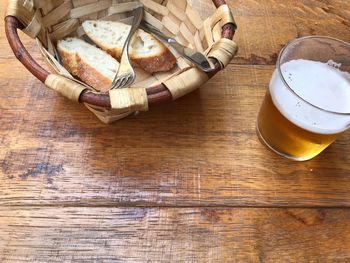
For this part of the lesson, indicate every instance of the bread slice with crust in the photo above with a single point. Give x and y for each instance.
(144, 50)
(90, 64)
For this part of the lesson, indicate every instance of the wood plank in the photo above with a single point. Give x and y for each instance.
(264, 27)
(199, 150)
(176, 235)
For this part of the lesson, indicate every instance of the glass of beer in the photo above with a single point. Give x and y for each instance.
(307, 104)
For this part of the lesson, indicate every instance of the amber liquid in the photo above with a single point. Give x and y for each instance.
(287, 139)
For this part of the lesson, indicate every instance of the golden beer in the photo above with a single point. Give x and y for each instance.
(307, 104)
(286, 138)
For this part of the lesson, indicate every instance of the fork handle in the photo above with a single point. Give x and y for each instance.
(135, 24)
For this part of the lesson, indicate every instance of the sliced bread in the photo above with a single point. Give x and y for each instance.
(87, 62)
(144, 50)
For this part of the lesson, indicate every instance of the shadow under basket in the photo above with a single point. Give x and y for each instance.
(51, 20)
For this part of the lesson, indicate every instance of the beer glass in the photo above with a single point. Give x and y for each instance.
(307, 104)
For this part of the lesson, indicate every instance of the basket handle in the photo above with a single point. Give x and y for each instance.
(156, 94)
(21, 53)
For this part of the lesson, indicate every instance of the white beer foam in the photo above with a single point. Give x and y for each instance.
(321, 84)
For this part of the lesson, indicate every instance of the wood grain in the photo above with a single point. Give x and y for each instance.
(174, 235)
(186, 182)
(264, 27)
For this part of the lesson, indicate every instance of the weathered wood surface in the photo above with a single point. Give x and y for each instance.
(174, 235)
(266, 26)
(199, 151)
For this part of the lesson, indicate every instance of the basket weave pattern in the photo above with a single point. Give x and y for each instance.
(51, 20)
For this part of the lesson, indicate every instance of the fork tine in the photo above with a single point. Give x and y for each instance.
(119, 82)
(124, 80)
(130, 81)
(117, 85)
(126, 84)
(114, 84)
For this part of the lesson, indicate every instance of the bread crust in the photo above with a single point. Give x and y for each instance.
(79, 68)
(69, 61)
(93, 77)
(151, 64)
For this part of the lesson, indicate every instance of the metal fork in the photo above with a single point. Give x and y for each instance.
(126, 75)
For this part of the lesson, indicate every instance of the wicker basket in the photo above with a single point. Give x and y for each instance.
(51, 20)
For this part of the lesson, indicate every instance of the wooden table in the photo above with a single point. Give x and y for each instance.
(188, 181)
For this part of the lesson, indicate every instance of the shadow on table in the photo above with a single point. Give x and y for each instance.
(335, 154)
(186, 130)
